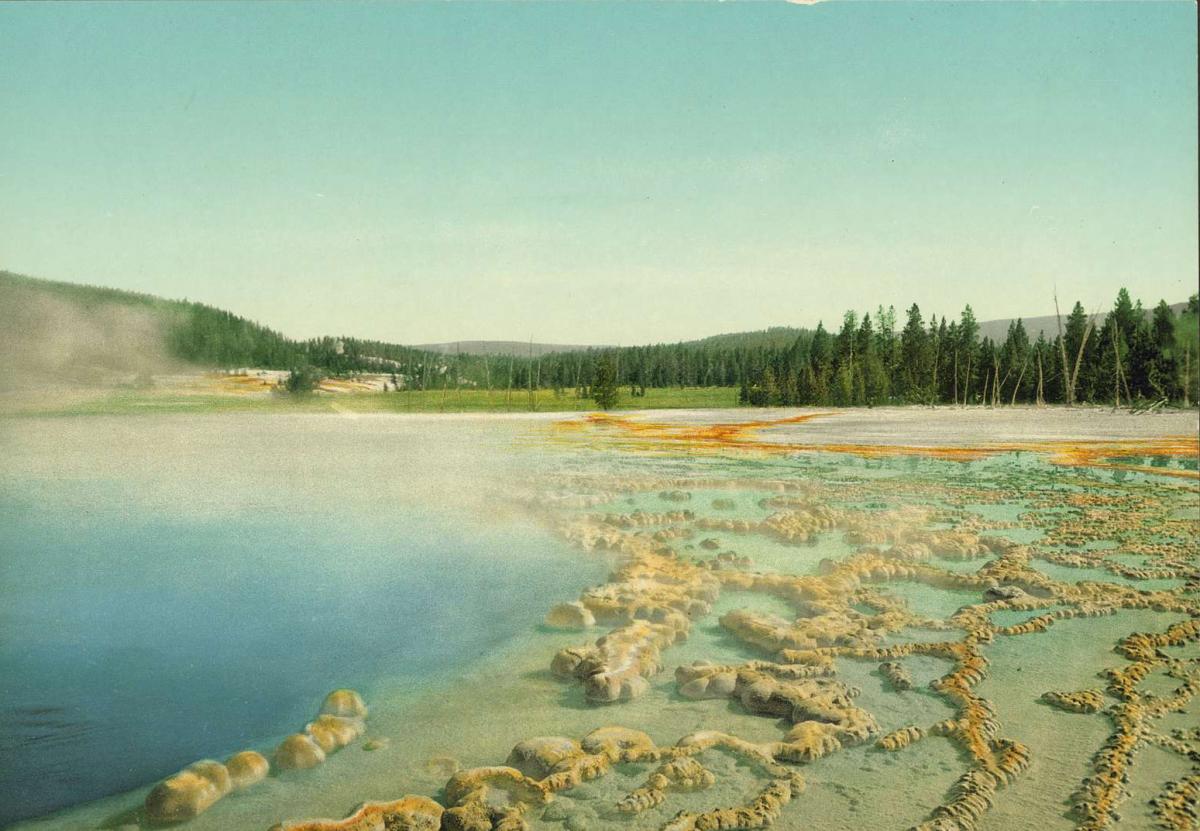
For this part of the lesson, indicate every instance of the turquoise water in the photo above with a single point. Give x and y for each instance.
(1076, 574)
(178, 588)
(161, 606)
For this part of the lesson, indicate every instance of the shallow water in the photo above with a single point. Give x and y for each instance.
(173, 589)
(1069, 656)
(159, 608)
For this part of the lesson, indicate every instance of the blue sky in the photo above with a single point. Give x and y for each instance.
(600, 172)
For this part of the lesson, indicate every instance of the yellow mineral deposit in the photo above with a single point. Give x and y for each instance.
(896, 674)
(188, 793)
(246, 768)
(648, 436)
(900, 739)
(332, 733)
(298, 751)
(573, 615)
(684, 774)
(491, 797)
(1080, 701)
(198, 787)
(339, 723)
(410, 813)
(344, 703)
(539, 757)
(1178, 807)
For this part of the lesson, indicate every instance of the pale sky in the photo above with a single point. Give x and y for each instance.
(600, 173)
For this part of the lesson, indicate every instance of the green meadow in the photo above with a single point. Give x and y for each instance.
(415, 401)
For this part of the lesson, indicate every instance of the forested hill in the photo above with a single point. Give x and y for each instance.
(504, 347)
(39, 316)
(1126, 352)
(774, 337)
(58, 326)
(997, 330)
(43, 313)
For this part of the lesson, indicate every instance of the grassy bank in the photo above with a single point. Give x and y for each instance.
(417, 401)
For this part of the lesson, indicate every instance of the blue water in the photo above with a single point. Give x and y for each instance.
(136, 637)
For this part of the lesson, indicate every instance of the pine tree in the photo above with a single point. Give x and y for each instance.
(604, 383)
(915, 375)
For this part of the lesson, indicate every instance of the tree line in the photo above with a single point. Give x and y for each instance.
(1124, 357)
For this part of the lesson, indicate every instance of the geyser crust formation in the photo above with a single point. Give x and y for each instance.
(199, 786)
(989, 540)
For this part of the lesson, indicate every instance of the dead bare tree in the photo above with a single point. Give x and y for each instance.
(1087, 330)
(1071, 377)
(1021, 375)
(967, 381)
(1116, 369)
(1125, 383)
(1068, 387)
(955, 377)
(1041, 398)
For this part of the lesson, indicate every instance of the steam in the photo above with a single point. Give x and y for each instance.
(54, 344)
(369, 471)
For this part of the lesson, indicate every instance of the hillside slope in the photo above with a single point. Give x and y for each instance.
(503, 347)
(997, 330)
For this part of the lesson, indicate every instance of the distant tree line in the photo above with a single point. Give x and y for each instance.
(1124, 356)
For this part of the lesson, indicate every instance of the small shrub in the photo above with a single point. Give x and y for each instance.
(302, 380)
